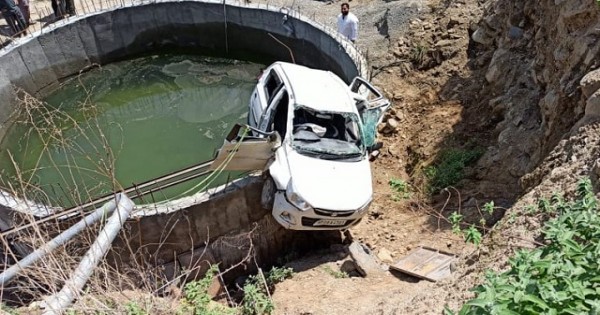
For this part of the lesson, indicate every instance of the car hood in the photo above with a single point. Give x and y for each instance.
(331, 184)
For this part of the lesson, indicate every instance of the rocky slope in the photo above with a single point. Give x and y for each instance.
(517, 79)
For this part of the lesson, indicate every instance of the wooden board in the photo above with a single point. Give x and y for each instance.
(426, 263)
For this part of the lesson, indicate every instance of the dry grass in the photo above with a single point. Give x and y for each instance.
(131, 288)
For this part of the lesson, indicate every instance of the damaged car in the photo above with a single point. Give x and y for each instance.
(320, 177)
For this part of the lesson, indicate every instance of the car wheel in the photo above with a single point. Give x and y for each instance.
(267, 195)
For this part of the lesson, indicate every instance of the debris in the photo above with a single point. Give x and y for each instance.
(374, 155)
(426, 263)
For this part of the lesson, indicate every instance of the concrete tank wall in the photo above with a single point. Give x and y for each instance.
(64, 49)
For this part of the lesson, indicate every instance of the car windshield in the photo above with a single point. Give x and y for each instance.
(329, 135)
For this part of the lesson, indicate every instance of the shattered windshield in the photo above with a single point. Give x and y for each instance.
(329, 135)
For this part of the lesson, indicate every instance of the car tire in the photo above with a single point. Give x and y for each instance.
(267, 196)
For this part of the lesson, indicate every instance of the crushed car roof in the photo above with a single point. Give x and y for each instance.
(318, 89)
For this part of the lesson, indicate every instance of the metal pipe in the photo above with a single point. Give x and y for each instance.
(59, 240)
(145, 187)
(57, 303)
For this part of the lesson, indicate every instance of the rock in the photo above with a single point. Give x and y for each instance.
(494, 71)
(385, 255)
(366, 264)
(561, 54)
(391, 126)
(481, 37)
(590, 83)
(393, 151)
(515, 32)
(349, 267)
(452, 23)
(592, 106)
(444, 43)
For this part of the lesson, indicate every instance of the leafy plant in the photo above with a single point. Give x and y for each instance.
(450, 168)
(338, 274)
(133, 308)
(560, 278)
(401, 189)
(472, 235)
(197, 298)
(418, 53)
(489, 207)
(278, 274)
(7, 309)
(256, 291)
(456, 219)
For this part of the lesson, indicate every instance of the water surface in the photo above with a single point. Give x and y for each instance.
(126, 123)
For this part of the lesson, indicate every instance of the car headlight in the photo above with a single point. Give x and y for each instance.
(295, 199)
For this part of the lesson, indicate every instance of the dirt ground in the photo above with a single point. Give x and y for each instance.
(434, 111)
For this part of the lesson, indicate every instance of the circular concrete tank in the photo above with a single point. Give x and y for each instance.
(37, 64)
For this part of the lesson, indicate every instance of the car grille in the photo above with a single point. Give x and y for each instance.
(337, 214)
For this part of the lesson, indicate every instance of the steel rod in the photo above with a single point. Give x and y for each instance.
(59, 240)
(57, 303)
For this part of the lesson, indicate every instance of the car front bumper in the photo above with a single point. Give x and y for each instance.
(292, 218)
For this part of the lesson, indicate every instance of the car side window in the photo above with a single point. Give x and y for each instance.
(278, 119)
(272, 84)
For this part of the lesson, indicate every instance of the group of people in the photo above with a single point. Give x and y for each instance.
(18, 17)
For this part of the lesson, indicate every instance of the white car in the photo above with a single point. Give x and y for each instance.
(320, 178)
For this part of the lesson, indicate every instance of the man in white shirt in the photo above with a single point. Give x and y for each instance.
(347, 23)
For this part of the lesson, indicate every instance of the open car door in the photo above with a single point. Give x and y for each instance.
(243, 152)
(371, 106)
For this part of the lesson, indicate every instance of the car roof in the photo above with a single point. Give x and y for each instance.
(317, 89)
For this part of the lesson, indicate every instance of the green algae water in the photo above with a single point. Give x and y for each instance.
(126, 123)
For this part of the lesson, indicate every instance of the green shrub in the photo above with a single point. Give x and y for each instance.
(400, 189)
(133, 308)
(449, 168)
(256, 295)
(562, 277)
(198, 301)
(338, 274)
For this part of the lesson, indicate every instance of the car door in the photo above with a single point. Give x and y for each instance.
(371, 106)
(266, 88)
(267, 119)
(243, 152)
(370, 99)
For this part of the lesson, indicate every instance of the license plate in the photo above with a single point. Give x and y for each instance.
(330, 222)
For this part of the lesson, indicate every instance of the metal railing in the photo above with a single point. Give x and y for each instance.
(43, 13)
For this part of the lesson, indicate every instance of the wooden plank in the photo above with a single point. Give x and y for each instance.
(426, 263)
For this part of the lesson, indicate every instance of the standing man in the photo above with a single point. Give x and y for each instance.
(24, 6)
(347, 23)
(13, 16)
